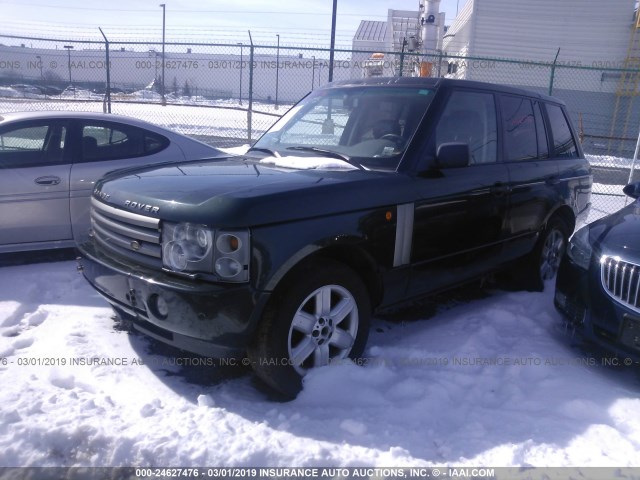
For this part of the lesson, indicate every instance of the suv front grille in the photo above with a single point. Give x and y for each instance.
(128, 234)
(621, 280)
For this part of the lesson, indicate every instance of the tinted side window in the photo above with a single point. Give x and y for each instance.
(105, 141)
(520, 138)
(470, 117)
(32, 145)
(563, 142)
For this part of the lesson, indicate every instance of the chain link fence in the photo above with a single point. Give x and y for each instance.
(229, 94)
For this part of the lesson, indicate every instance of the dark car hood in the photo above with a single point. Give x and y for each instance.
(619, 233)
(234, 193)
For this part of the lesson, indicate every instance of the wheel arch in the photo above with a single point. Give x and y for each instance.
(347, 254)
(566, 214)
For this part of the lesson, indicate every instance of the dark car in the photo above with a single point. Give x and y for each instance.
(598, 284)
(364, 195)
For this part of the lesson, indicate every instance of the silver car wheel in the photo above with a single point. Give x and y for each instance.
(323, 329)
(552, 251)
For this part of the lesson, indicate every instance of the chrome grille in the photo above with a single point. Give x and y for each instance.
(621, 280)
(126, 233)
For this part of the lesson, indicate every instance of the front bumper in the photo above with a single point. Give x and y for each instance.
(587, 308)
(214, 320)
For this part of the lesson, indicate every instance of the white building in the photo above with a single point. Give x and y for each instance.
(580, 32)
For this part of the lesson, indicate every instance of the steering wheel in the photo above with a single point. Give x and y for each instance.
(397, 139)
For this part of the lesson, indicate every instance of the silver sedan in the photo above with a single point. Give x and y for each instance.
(49, 162)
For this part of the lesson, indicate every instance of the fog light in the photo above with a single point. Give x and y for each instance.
(158, 306)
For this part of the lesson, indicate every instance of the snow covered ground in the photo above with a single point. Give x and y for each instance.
(480, 378)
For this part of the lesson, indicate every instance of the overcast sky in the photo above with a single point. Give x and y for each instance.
(297, 22)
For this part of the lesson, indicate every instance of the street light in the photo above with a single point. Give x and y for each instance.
(241, 45)
(69, 48)
(277, 67)
(164, 100)
(40, 65)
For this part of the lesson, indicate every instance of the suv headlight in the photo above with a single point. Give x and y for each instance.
(190, 249)
(579, 249)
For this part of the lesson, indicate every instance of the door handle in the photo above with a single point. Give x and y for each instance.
(499, 189)
(552, 180)
(48, 180)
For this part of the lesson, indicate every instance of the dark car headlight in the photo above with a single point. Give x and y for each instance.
(579, 249)
(190, 248)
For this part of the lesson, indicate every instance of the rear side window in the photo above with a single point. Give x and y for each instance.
(564, 144)
(107, 141)
(520, 139)
(25, 146)
(470, 117)
(26, 139)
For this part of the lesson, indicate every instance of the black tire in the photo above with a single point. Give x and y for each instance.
(282, 352)
(543, 262)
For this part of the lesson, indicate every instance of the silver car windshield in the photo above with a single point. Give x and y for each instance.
(367, 126)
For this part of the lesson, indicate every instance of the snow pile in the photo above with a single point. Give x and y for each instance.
(486, 381)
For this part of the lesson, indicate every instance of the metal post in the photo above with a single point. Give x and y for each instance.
(277, 67)
(108, 92)
(313, 72)
(40, 65)
(333, 39)
(241, 45)
(404, 44)
(164, 100)
(69, 47)
(249, 111)
(553, 72)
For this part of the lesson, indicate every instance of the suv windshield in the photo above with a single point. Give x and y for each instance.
(365, 126)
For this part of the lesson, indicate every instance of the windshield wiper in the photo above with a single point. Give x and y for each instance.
(273, 153)
(328, 153)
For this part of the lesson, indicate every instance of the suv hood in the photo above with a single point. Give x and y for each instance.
(234, 193)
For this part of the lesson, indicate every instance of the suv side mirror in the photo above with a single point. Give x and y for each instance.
(632, 190)
(453, 155)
